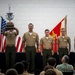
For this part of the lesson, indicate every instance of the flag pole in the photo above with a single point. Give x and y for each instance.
(0, 25)
(66, 24)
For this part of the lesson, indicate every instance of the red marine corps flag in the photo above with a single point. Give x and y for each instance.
(56, 32)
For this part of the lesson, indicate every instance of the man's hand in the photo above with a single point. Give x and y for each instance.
(52, 52)
(36, 50)
(68, 52)
(24, 50)
(41, 54)
(57, 53)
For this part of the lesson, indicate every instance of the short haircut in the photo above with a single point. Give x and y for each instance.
(48, 67)
(50, 72)
(46, 30)
(63, 29)
(51, 61)
(19, 66)
(30, 24)
(66, 58)
(11, 72)
(26, 65)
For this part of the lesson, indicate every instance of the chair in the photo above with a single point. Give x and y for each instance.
(68, 73)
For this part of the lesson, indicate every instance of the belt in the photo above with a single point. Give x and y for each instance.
(47, 49)
(30, 46)
(63, 47)
(10, 45)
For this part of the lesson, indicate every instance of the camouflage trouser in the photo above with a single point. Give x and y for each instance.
(62, 51)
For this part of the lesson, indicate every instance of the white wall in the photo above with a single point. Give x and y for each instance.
(42, 13)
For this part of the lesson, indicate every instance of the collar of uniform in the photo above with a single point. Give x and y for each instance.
(62, 36)
(25, 72)
(64, 63)
(46, 37)
(31, 33)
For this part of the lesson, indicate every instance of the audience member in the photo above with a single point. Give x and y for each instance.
(65, 66)
(19, 66)
(11, 72)
(26, 65)
(50, 72)
(1, 73)
(52, 61)
(46, 68)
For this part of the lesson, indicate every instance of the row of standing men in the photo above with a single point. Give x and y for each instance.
(31, 44)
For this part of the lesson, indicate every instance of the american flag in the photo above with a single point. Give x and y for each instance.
(3, 24)
(18, 44)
